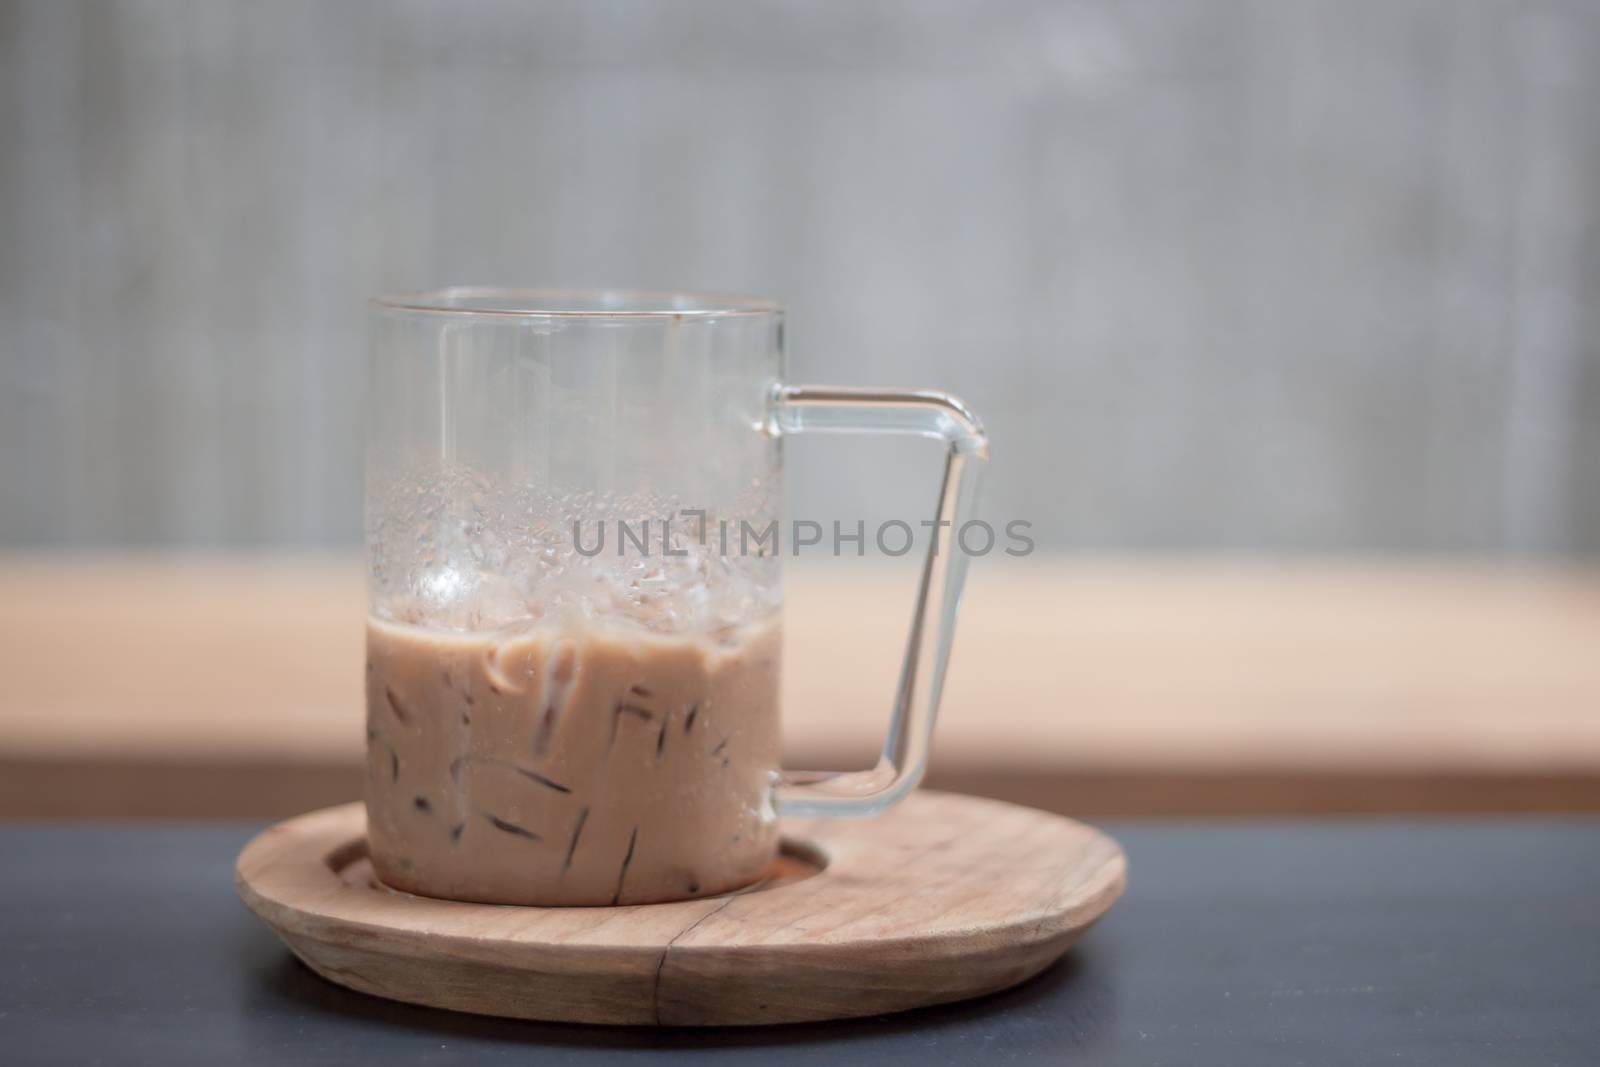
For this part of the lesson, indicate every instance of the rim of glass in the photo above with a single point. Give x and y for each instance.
(474, 300)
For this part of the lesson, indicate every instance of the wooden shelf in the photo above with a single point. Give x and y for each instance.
(1155, 685)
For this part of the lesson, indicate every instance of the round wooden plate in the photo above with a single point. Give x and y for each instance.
(941, 898)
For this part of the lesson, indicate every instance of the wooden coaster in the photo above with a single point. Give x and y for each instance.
(941, 898)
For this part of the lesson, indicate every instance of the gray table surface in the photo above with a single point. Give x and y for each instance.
(1250, 943)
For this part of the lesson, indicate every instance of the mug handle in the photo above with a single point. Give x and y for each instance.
(833, 409)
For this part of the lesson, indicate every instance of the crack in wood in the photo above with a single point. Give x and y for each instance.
(655, 988)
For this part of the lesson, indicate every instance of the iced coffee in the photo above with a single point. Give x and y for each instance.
(555, 764)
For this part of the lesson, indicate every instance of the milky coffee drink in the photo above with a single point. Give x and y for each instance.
(603, 764)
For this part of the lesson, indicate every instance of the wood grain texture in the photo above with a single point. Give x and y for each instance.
(944, 897)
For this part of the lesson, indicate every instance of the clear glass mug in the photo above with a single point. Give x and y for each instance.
(573, 637)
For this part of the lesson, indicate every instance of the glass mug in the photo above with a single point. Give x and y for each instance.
(574, 601)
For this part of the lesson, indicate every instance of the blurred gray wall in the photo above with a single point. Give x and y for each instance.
(1268, 275)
